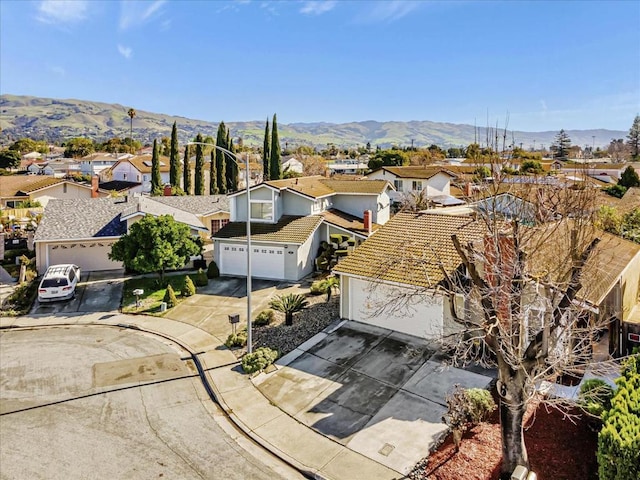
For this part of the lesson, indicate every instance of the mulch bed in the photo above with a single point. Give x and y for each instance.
(558, 449)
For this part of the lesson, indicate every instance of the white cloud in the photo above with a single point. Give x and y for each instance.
(317, 7)
(390, 11)
(126, 52)
(62, 11)
(134, 13)
(58, 70)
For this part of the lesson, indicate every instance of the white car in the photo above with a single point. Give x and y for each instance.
(59, 283)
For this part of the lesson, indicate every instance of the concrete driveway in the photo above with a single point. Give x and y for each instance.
(103, 402)
(377, 392)
(210, 308)
(97, 292)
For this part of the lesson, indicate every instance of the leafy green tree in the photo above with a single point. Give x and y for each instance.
(156, 177)
(213, 175)
(174, 158)
(9, 159)
(634, 138)
(132, 145)
(155, 244)
(289, 304)
(27, 145)
(78, 147)
(266, 152)
(275, 167)
(388, 158)
(165, 146)
(221, 162)
(629, 178)
(170, 297)
(187, 172)
(561, 145)
(531, 166)
(199, 179)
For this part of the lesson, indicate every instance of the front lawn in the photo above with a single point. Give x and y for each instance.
(153, 294)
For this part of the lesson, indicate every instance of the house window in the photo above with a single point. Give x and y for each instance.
(137, 178)
(261, 210)
(64, 188)
(216, 225)
(144, 178)
(416, 186)
(398, 185)
(124, 176)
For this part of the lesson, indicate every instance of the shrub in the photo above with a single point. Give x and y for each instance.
(617, 191)
(236, 340)
(619, 440)
(259, 360)
(22, 298)
(201, 279)
(595, 396)
(212, 270)
(318, 287)
(289, 304)
(265, 317)
(170, 297)
(189, 288)
(467, 408)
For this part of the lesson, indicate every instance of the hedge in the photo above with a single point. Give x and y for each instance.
(619, 439)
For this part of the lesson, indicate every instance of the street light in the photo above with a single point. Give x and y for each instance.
(235, 160)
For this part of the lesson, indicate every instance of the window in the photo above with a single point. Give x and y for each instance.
(64, 188)
(124, 176)
(416, 185)
(144, 178)
(137, 178)
(261, 210)
(398, 185)
(216, 225)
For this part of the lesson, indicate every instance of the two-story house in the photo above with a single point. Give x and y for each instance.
(434, 181)
(137, 169)
(289, 220)
(97, 163)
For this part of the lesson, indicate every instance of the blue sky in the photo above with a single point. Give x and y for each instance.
(551, 65)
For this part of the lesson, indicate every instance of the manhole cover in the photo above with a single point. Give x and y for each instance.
(386, 450)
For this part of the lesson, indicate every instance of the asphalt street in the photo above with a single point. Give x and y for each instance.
(104, 402)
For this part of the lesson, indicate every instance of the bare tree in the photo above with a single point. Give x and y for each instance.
(527, 307)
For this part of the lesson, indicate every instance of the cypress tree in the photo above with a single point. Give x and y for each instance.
(213, 174)
(187, 171)
(199, 180)
(274, 161)
(174, 158)
(232, 170)
(266, 152)
(156, 178)
(221, 139)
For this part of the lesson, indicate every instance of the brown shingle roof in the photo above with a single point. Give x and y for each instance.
(317, 186)
(410, 248)
(12, 185)
(138, 163)
(423, 172)
(346, 221)
(289, 229)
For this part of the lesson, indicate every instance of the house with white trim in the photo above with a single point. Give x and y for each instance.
(291, 218)
(137, 169)
(82, 231)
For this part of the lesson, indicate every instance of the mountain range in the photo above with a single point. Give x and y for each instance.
(57, 120)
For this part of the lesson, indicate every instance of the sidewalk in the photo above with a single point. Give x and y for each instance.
(308, 451)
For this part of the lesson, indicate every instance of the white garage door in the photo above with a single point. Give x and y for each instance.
(266, 261)
(89, 256)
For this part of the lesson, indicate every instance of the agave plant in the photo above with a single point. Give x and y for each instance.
(289, 304)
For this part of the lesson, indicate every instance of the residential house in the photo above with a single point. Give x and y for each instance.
(15, 189)
(81, 231)
(291, 164)
(348, 167)
(433, 181)
(97, 163)
(394, 278)
(289, 220)
(137, 169)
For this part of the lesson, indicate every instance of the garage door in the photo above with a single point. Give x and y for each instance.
(266, 261)
(89, 256)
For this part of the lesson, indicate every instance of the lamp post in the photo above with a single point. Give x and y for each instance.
(235, 160)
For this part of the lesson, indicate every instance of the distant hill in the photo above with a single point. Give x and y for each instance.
(57, 120)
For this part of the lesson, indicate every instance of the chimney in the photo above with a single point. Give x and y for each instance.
(94, 186)
(167, 190)
(367, 221)
(467, 189)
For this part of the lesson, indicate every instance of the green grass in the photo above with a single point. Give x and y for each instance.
(153, 293)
